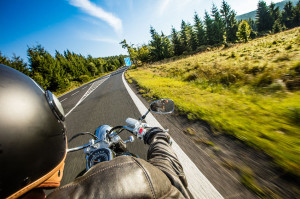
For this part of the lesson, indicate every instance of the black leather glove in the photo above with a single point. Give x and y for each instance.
(150, 133)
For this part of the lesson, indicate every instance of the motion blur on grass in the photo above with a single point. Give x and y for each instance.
(250, 91)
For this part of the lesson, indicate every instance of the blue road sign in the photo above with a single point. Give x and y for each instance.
(127, 61)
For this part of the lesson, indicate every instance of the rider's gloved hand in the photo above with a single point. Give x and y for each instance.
(150, 134)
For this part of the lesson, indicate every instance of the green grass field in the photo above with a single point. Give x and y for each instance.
(251, 91)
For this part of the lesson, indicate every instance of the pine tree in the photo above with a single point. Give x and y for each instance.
(229, 21)
(41, 63)
(200, 33)
(192, 38)
(244, 31)
(166, 46)
(218, 26)
(100, 64)
(274, 12)
(92, 68)
(226, 17)
(252, 24)
(263, 17)
(177, 47)
(277, 27)
(73, 71)
(209, 29)
(16, 62)
(124, 44)
(58, 80)
(4, 60)
(232, 28)
(66, 65)
(225, 12)
(132, 51)
(155, 45)
(143, 54)
(288, 14)
(184, 37)
(296, 20)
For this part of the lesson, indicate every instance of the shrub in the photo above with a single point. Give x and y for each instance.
(254, 70)
(264, 79)
(278, 85)
(253, 34)
(142, 91)
(294, 114)
(289, 47)
(233, 55)
(84, 78)
(293, 84)
(282, 58)
(297, 68)
(228, 79)
(192, 76)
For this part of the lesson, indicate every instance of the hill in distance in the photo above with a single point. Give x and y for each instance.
(253, 13)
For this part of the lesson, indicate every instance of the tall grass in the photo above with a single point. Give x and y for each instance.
(250, 91)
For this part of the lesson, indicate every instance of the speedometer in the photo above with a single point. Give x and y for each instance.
(99, 155)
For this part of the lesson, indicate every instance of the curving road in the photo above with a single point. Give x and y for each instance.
(109, 100)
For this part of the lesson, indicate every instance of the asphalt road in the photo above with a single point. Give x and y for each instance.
(106, 101)
(109, 104)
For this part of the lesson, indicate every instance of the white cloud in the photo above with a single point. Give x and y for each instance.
(163, 5)
(96, 11)
(105, 40)
(167, 6)
(96, 38)
(130, 4)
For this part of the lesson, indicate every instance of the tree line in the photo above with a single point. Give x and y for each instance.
(56, 73)
(217, 27)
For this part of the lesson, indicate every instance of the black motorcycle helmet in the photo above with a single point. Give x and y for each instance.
(32, 135)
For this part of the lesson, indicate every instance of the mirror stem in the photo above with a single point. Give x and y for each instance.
(144, 116)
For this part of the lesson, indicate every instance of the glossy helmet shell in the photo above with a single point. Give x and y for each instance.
(32, 137)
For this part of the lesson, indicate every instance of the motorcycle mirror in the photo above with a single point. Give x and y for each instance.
(162, 106)
(130, 139)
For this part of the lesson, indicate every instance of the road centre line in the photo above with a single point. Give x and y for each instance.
(198, 184)
(63, 100)
(75, 93)
(86, 85)
(88, 92)
(70, 91)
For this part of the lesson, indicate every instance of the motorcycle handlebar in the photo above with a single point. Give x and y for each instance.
(87, 145)
(129, 129)
(78, 148)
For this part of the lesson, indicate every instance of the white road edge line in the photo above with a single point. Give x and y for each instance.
(88, 92)
(198, 184)
(75, 93)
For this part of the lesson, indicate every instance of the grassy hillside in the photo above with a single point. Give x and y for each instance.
(250, 91)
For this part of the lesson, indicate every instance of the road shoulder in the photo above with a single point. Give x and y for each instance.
(224, 182)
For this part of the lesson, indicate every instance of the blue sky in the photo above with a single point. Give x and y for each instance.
(95, 27)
